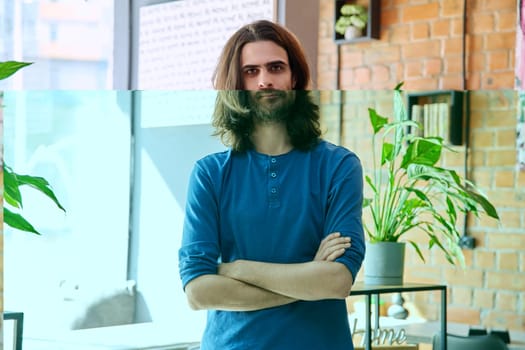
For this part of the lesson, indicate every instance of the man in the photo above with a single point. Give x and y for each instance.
(266, 242)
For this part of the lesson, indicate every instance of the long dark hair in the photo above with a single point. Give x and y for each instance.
(232, 116)
(234, 123)
(227, 75)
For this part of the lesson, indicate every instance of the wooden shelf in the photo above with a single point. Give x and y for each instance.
(371, 31)
(450, 104)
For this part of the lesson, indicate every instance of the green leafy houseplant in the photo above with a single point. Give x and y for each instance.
(410, 190)
(352, 17)
(13, 181)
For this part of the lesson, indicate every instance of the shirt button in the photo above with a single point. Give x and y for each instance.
(273, 190)
(274, 160)
(273, 174)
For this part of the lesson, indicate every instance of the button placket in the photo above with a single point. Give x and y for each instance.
(273, 183)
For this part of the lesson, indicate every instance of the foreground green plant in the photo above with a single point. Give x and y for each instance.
(13, 181)
(411, 191)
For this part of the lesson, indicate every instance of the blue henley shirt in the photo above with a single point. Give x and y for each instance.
(252, 206)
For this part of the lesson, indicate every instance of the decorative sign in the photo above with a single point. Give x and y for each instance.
(381, 336)
(180, 41)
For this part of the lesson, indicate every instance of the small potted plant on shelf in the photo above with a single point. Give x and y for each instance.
(352, 20)
(410, 190)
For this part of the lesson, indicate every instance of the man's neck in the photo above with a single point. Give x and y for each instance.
(271, 139)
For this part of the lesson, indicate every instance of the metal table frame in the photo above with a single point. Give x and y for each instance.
(369, 290)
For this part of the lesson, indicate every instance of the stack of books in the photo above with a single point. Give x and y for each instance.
(434, 120)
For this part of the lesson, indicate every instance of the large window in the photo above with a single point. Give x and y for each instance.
(80, 142)
(70, 42)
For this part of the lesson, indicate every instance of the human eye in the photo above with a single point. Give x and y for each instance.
(278, 67)
(250, 71)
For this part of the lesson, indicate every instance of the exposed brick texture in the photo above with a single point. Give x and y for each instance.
(421, 44)
(430, 29)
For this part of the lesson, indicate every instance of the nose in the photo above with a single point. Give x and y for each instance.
(264, 85)
(264, 82)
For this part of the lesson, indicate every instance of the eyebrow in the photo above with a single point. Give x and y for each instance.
(268, 64)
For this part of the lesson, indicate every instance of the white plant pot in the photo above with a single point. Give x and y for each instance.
(384, 263)
(353, 32)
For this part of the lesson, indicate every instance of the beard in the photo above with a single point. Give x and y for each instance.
(270, 106)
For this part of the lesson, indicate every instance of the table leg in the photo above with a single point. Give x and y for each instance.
(368, 321)
(377, 311)
(444, 319)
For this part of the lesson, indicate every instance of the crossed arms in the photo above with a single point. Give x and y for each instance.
(245, 285)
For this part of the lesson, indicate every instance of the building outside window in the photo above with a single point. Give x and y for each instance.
(69, 41)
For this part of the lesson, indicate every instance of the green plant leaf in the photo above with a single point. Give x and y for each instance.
(341, 25)
(9, 200)
(425, 172)
(398, 87)
(420, 194)
(376, 120)
(18, 222)
(12, 193)
(387, 153)
(399, 105)
(358, 22)
(489, 209)
(367, 202)
(40, 184)
(9, 68)
(352, 9)
(421, 151)
(451, 210)
(416, 247)
(369, 181)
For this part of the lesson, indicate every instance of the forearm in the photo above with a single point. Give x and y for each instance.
(313, 280)
(224, 293)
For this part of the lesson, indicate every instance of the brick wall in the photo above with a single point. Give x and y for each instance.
(421, 44)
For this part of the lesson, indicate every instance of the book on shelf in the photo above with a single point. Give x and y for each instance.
(434, 120)
(417, 116)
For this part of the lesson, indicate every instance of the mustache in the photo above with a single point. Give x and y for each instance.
(268, 92)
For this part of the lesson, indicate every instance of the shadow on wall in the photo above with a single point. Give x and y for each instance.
(164, 159)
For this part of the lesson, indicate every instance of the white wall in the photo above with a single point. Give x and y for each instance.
(164, 158)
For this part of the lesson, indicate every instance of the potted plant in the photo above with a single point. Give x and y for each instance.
(411, 191)
(352, 20)
(13, 181)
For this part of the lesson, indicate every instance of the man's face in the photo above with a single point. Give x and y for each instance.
(267, 75)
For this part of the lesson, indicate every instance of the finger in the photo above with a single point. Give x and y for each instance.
(327, 239)
(335, 254)
(339, 249)
(337, 241)
(331, 237)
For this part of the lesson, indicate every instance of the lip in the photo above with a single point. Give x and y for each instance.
(268, 95)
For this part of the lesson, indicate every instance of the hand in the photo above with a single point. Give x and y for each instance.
(332, 247)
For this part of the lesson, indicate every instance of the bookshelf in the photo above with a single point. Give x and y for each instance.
(440, 114)
(371, 31)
